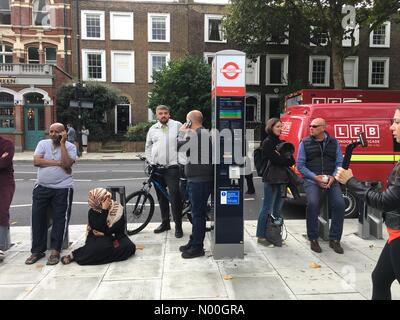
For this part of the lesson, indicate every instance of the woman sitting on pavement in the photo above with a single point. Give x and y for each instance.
(106, 241)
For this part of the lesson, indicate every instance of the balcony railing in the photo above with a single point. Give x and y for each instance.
(10, 69)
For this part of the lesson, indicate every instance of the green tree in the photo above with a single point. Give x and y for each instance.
(104, 99)
(183, 85)
(254, 24)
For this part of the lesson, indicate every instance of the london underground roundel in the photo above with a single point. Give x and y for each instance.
(231, 70)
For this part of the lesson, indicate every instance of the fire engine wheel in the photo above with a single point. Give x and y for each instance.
(351, 205)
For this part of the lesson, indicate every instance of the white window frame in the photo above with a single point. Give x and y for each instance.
(207, 17)
(207, 55)
(347, 42)
(150, 62)
(355, 74)
(285, 58)
(84, 13)
(4, 53)
(285, 42)
(167, 26)
(85, 74)
(7, 11)
(256, 68)
(45, 56)
(113, 33)
(324, 44)
(327, 73)
(47, 11)
(132, 53)
(386, 79)
(387, 37)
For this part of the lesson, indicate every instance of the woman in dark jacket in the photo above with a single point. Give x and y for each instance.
(273, 200)
(106, 240)
(388, 267)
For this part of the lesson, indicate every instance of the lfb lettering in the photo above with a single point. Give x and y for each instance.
(372, 131)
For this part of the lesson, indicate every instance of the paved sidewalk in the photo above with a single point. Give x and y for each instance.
(158, 272)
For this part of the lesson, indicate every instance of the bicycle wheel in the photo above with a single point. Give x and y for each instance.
(139, 210)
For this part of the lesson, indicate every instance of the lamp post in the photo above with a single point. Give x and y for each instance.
(78, 95)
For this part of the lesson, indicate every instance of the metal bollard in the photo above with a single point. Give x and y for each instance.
(122, 200)
(370, 219)
(5, 242)
(323, 219)
(49, 220)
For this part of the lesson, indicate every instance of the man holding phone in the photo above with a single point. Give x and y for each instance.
(53, 190)
(161, 149)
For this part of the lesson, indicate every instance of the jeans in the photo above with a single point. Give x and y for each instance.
(272, 204)
(198, 195)
(336, 208)
(386, 271)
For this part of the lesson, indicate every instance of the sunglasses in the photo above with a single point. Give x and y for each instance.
(315, 125)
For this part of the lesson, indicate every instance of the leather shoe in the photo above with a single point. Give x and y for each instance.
(186, 246)
(178, 231)
(162, 227)
(315, 246)
(193, 253)
(335, 245)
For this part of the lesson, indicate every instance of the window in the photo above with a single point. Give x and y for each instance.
(51, 55)
(378, 72)
(123, 66)
(7, 113)
(94, 65)
(347, 36)
(41, 13)
(380, 37)
(92, 25)
(158, 27)
(121, 25)
(251, 108)
(208, 57)
(277, 66)
(5, 12)
(213, 28)
(318, 38)
(6, 52)
(276, 38)
(156, 61)
(252, 71)
(350, 72)
(319, 71)
(33, 55)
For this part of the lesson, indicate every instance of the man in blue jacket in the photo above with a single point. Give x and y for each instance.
(318, 158)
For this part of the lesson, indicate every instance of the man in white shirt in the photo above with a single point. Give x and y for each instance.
(161, 148)
(53, 189)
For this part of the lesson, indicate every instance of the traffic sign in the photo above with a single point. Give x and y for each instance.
(84, 104)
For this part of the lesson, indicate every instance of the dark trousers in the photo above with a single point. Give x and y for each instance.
(250, 184)
(60, 201)
(314, 195)
(170, 179)
(386, 271)
(198, 195)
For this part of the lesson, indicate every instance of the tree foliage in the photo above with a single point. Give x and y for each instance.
(255, 24)
(183, 85)
(104, 99)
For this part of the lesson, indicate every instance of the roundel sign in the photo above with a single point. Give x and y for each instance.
(231, 70)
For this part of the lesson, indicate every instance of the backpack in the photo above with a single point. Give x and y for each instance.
(258, 161)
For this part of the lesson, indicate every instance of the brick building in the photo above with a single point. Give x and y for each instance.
(35, 58)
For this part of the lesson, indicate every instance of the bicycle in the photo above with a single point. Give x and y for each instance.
(140, 204)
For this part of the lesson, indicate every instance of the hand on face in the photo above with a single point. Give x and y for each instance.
(106, 203)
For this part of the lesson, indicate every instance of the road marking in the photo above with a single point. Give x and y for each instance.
(248, 199)
(82, 180)
(24, 172)
(127, 179)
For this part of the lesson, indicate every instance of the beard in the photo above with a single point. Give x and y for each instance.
(163, 121)
(56, 142)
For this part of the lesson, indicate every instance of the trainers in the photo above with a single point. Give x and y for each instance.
(315, 246)
(193, 253)
(335, 245)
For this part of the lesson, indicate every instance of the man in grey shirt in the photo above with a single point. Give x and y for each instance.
(53, 189)
(161, 149)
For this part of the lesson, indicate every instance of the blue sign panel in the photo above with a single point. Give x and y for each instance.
(230, 197)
